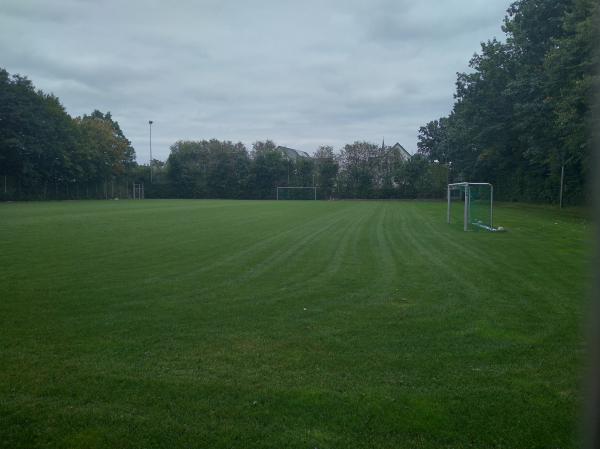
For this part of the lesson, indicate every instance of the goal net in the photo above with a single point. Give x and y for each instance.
(472, 205)
(296, 193)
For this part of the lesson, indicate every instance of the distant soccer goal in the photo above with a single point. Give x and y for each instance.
(471, 203)
(296, 193)
(138, 191)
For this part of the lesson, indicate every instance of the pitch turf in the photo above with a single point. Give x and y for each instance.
(228, 324)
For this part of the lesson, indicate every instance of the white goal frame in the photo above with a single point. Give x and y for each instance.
(467, 205)
(310, 188)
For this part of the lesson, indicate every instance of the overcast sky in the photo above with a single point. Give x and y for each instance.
(303, 73)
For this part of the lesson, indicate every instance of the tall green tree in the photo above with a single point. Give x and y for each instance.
(46, 152)
(433, 141)
(572, 65)
(269, 169)
(358, 169)
(326, 170)
(523, 110)
(37, 136)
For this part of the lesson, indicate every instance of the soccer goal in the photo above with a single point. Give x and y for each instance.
(138, 191)
(471, 203)
(296, 193)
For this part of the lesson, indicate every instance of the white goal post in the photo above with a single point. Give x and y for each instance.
(314, 189)
(476, 198)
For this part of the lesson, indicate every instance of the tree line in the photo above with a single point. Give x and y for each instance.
(223, 169)
(522, 116)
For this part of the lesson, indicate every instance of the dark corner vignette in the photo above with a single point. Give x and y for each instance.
(592, 424)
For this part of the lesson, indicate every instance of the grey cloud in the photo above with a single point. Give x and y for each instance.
(302, 73)
(422, 22)
(31, 11)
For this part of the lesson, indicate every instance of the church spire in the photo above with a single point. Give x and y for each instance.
(383, 144)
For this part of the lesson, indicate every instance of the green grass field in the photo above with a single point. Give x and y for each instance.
(230, 324)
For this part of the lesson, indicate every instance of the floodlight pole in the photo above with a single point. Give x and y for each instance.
(150, 123)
